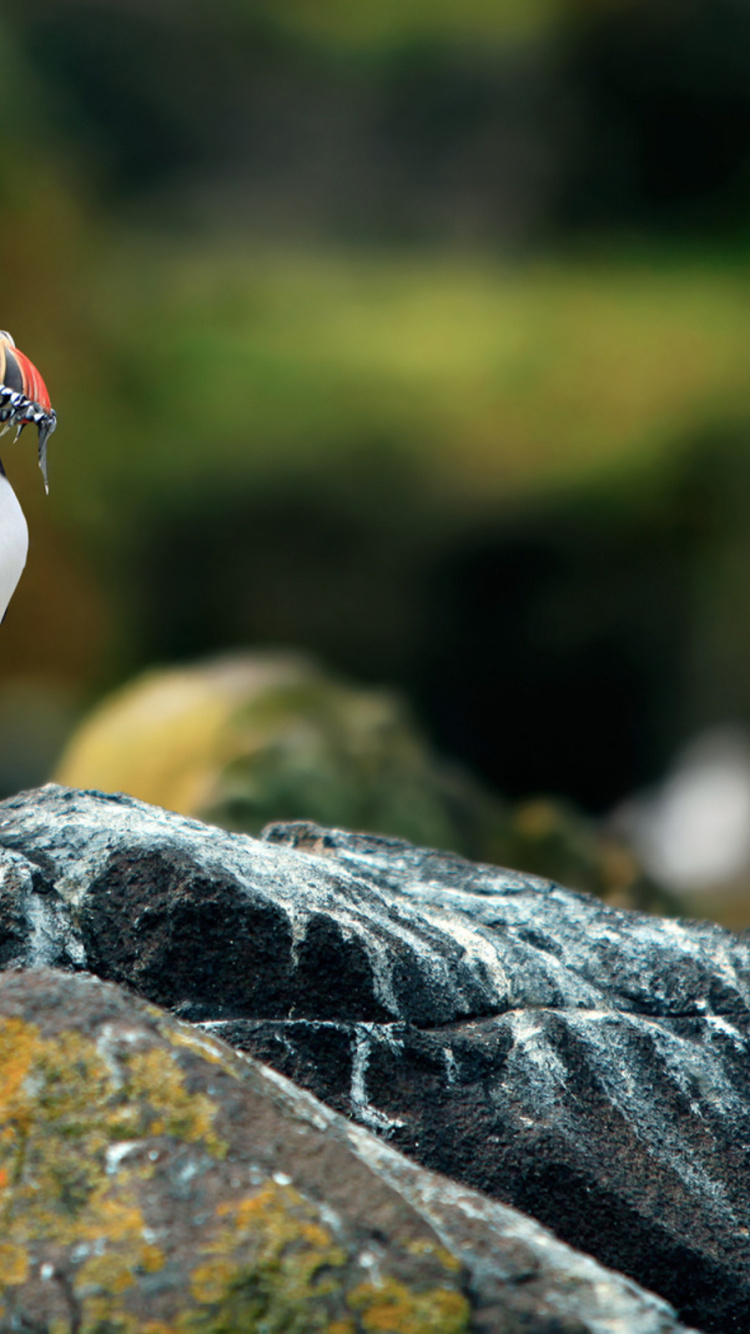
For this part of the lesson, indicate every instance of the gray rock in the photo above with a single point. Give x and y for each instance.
(152, 1180)
(587, 1065)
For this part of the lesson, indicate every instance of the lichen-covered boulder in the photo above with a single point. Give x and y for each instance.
(152, 1182)
(589, 1066)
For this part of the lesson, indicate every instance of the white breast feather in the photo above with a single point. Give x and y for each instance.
(14, 543)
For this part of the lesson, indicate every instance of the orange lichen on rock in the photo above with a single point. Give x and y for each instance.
(84, 1121)
(272, 1262)
(421, 1246)
(155, 1077)
(294, 1270)
(62, 1107)
(14, 1264)
(391, 1307)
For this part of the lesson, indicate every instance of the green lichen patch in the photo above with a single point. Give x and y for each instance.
(62, 1108)
(275, 1268)
(392, 1308)
(124, 1211)
(156, 1081)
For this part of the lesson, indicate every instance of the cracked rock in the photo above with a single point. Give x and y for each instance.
(587, 1065)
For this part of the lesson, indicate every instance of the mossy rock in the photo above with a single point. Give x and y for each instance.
(242, 740)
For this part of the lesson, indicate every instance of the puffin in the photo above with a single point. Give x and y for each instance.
(23, 399)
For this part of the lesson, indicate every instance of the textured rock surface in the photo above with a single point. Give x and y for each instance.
(587, 1065)
(151, 1181)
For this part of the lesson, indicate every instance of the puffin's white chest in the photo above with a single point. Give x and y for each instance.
(14, 542)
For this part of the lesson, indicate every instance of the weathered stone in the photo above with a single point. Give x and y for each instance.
(153, 1182)
(588, 1065)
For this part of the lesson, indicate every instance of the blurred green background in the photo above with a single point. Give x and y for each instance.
(413, 335)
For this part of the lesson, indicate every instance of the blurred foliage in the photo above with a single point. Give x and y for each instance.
(493, 377)
(247, 739)
(553, 839)
(389, 22)
(386, 120)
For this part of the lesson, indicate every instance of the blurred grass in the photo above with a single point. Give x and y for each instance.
(494, 379)
(179, 368)
(388, 22)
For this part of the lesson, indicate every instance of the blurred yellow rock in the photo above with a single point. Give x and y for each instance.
(164, 736)
(254, 737)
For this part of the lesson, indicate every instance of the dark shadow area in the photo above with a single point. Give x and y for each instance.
(566, 646)
(634, 114)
